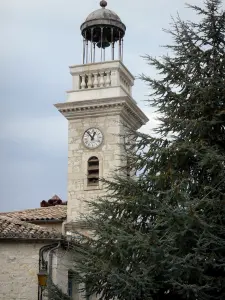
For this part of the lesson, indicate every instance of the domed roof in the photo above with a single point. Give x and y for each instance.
(103, 18)
(103, 13)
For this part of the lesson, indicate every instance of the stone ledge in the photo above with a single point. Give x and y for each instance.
(124, 106)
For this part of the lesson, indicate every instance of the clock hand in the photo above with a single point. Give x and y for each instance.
(89, 134)
(93, 136)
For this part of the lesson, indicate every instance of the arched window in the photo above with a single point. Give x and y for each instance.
(93, 171)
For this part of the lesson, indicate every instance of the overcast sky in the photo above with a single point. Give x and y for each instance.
(39, 40)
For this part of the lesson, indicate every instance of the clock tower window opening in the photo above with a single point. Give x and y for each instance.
(93, 171)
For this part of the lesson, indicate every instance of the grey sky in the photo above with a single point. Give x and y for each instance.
(39, 40)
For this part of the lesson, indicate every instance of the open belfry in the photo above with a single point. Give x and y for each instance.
(98, 109)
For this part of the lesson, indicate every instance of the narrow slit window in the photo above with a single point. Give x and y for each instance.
(70, 284)
(93, 171)
(128, 167)
(73, 286)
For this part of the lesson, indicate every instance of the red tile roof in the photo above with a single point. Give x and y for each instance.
(54, 213)
(16, 229)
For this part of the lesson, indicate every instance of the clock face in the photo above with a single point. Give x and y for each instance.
(92, 138)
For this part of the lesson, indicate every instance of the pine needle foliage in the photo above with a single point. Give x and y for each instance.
(56, 293)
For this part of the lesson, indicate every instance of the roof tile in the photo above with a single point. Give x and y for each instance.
(14, 228)
(54, 213)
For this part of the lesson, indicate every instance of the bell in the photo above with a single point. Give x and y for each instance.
(104, 43)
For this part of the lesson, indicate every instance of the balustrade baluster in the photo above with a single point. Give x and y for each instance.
(89, 81)
(83, 83)
(102, 81)
(108, 79)
(95, 83)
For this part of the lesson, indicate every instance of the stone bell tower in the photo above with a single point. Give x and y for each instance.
(97, 107)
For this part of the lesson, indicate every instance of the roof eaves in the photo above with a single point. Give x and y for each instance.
(39, 240)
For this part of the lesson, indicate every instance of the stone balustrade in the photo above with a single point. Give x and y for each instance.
(109, 74)
(91, 80)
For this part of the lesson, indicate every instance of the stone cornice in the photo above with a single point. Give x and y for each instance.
(98, 88)
(124, 106)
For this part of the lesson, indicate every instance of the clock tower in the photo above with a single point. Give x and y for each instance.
(98, 109)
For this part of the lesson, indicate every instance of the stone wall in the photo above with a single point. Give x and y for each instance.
(109, 155)
(63, 262)
(19, 268)
(60, 266)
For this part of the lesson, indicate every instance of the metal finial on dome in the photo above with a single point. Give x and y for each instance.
(103, 3)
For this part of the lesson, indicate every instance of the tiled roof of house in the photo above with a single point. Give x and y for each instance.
(54, 213)
(17, 229)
